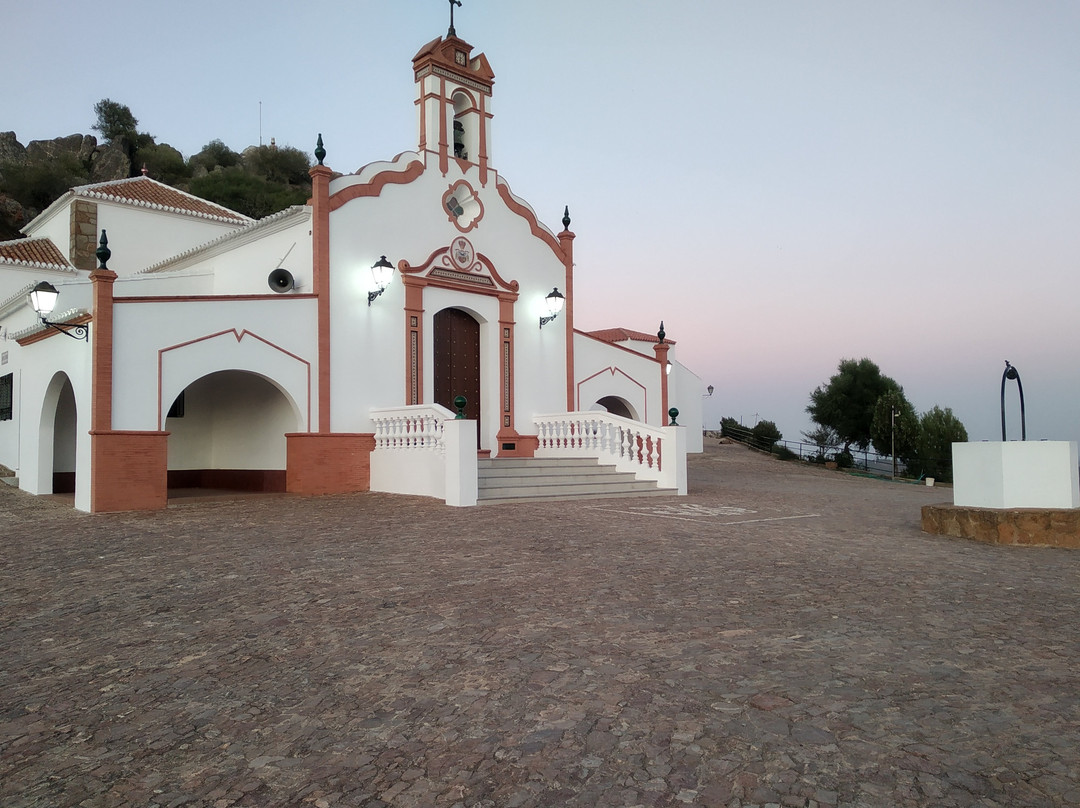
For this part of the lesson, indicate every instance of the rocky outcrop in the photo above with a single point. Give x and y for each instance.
(108, 163)
(11, 150)
(81, 147)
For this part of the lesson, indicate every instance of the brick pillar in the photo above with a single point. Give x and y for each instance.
(320, 244)
(102, 280)
(661, 350)
(128, 470)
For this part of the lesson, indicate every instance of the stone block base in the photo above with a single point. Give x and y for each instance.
(1036, 527)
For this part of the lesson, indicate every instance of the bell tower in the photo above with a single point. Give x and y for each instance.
(453, 100)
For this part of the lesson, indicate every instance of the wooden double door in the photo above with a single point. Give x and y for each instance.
(457, 362)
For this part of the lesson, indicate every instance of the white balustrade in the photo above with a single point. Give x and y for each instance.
(423, 450)
(647, 451)
(413, 427)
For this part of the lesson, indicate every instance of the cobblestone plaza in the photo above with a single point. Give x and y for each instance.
(783, 636)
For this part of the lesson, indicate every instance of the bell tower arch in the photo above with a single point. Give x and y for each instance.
(453, 100)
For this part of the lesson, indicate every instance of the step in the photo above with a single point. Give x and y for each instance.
(527, 472)
(550, 479)
(567, 496)
(10, 481)
(538, 462)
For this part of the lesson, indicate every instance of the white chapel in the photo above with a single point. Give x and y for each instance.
(409, 330)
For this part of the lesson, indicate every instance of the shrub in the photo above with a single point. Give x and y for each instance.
(765, 435)
(730, 428)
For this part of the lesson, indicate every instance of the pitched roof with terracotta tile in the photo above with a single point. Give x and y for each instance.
(34, 253)
(149, 193)
(623, 335)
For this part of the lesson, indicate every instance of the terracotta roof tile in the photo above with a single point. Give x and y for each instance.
(624, 334)
(149, 193)
(33, 252)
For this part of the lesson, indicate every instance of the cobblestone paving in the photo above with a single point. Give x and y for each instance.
(784, 636)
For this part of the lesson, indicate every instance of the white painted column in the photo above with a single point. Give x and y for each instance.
(673, 459)
(459, 438)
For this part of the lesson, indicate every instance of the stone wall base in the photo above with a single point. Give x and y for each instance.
(1035, 527)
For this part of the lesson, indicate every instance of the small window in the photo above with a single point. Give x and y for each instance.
(7, 389)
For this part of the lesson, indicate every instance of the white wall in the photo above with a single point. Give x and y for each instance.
(172, 344)
(408, 222)
(139, 237)
(603, 370)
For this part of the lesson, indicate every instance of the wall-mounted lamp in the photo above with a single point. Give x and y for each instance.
(710, 388)
(667, 370)
(382, 272)
(43, 300)
(555, 302)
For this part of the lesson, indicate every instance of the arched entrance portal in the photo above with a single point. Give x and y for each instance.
(457, 361)
(227, 431)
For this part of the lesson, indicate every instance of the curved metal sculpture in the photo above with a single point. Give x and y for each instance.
(1012, 373)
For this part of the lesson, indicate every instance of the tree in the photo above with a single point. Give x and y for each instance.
(846, 404)
(163, 163)
(826, 440)
(903, 432)
(115, 121)
(938, 430)
(279, 164)
(213, 155)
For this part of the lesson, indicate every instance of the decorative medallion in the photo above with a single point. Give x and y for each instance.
(462, 206)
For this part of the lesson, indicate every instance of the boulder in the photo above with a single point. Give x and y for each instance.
(109, 163)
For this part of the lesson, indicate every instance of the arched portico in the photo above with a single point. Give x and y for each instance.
(227, 431)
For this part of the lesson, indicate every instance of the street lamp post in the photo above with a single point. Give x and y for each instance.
(892, 438)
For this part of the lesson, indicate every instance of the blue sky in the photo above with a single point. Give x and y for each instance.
(785, 184)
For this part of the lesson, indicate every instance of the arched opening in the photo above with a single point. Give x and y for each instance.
(465, 136)
(227, 431)
(64, 439)
(617, 406)
(57, 452)
(456, 355)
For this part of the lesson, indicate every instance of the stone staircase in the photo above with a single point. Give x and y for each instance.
(8, 476)
(532, 479)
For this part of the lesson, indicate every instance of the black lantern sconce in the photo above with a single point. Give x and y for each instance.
(43, 300)
(382, 272)
(555, 302)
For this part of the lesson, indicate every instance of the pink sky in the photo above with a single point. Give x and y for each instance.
(785, 184)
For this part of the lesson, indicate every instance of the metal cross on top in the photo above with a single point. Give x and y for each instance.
(453, 3)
